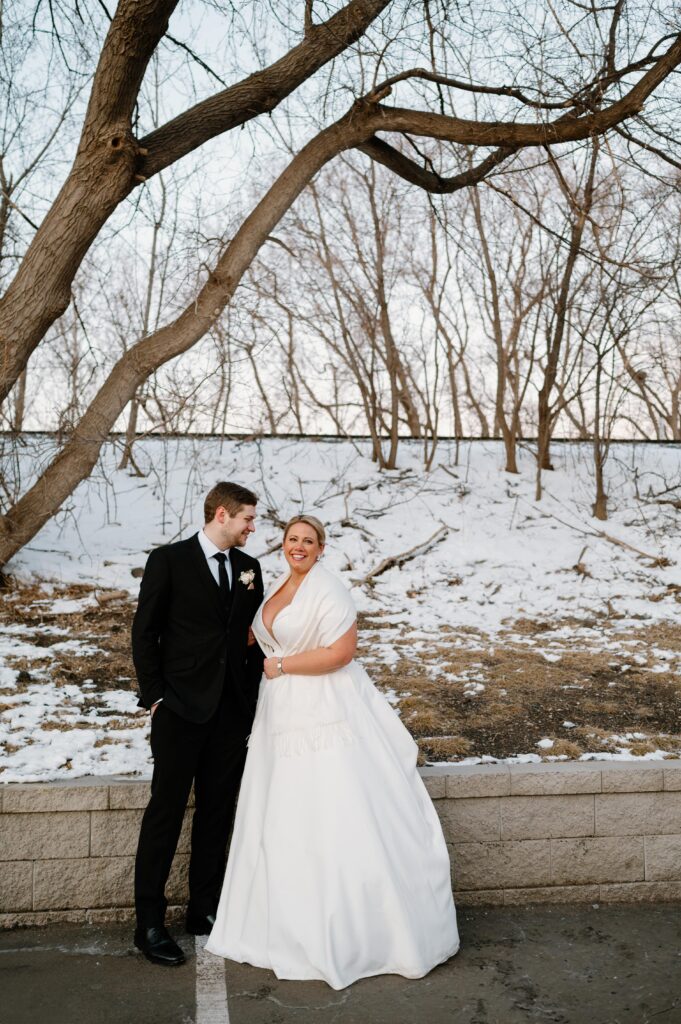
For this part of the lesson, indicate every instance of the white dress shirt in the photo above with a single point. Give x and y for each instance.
(209, 549)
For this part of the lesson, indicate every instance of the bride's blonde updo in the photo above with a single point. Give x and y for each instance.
(311, 521)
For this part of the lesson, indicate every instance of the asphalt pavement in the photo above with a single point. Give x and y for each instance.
(578, 964)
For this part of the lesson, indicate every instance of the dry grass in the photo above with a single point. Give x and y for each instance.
(566, 748)
(642, 747)
(445, 748)
(525, 697)
(105, 627)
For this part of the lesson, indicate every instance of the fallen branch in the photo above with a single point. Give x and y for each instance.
(656, 560)
(668, 501)
(111, 595)
(394, 561)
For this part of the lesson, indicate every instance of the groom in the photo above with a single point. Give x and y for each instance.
(198, 674)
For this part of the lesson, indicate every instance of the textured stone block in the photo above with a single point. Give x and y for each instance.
(97, 882)
(16, 886)
(125, 796)
(663, 858)
(478, 781)
(546, 817)
(470, 820)
(480, 898)
(435, 784)
(177, 889)
(552, 894)
(672, 776)
(111, 915)
(35, 797)
(638, 814)
(501, 865)
(626, 778)
(555, 779)
(115, 833)
(44, 836)
(641, 892)
(81, 884)
(582, 861)
(130, 796)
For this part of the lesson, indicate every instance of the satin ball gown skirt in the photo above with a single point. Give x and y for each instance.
(338, 868)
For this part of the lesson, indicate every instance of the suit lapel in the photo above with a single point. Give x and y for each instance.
(208, 579)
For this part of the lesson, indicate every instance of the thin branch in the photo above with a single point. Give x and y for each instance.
(648, 147)
(195, 57)
(260, 92)
(384, 88)
(431, 181)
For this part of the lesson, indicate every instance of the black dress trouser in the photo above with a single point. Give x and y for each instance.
(212, 756)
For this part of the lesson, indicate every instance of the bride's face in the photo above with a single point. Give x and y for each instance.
(301, 547)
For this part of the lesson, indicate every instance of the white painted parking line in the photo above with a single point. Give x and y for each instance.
(211, 987)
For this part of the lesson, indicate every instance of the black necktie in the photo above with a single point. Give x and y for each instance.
(223, 578)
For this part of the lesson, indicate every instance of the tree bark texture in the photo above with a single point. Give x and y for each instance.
(110, 161)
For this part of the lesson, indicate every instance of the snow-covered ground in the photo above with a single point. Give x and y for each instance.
(498, 557)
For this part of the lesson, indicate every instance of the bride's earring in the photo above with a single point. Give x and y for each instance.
(319, 558)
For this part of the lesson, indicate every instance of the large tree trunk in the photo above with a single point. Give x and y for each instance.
(110, 162)
(109, 153)
(103, 174)
(78, 456)
(19, 409)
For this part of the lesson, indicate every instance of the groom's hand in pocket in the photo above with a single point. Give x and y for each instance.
(153, 707)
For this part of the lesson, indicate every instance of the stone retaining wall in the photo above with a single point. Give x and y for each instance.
(585, 831)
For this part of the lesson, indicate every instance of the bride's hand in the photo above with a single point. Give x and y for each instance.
(270, 668)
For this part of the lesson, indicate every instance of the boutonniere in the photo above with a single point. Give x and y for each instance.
(247, 578)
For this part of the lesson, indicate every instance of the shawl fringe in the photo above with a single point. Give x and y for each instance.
(297, 742)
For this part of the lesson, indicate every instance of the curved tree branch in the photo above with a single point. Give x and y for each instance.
(431, 181)
(110, 162)
(583, 99)
(261, 91)
(78, 456)
(565, 129)
(525, 134)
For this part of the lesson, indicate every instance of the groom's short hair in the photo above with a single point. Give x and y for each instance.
(227, 495)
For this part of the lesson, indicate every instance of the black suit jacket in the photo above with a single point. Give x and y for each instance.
(186, 643)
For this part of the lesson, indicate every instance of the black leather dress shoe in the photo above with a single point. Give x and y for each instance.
(158, 946)
(200, 924)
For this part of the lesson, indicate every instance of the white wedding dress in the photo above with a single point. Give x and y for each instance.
(338, 868)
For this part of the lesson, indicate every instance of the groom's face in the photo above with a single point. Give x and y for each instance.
(235, 530)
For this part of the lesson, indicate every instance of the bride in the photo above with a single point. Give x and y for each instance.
(338, 867)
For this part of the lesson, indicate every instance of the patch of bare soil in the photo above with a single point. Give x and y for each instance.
(503, 699)
(101, 630)
(461, 693)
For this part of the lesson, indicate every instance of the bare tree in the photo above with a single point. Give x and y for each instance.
(509, 285)
(653, 362)
(580, 201)
(111, 161)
